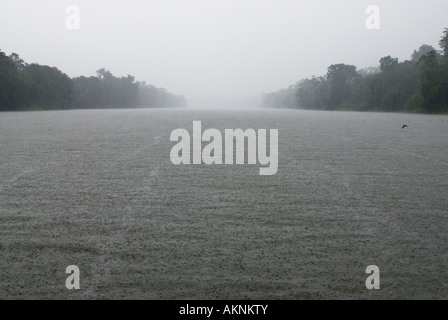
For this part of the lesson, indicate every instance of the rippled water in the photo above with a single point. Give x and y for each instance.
(97, 189)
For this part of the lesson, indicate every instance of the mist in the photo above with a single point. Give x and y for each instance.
(211, 150)
(217, 54)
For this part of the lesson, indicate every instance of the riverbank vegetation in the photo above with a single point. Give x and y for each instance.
(36, 87)
(417, 85)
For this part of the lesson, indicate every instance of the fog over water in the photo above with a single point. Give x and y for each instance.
(97, 184)
(217, 53)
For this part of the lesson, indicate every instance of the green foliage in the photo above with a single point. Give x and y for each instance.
(443, 43)
(430, 86)
(105, 91)
(341, 78)
(415, 104)
(152, 97)
(416, 85)
(36, 87)
(423, 50)
(18, 62)
(46, 88)
(9, 83)
(388, 64)
(284, 98)
(443, 78)
(312, 93)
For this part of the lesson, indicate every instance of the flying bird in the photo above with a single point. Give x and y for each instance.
(405, 126)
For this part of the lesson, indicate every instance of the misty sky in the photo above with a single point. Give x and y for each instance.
(217, 52)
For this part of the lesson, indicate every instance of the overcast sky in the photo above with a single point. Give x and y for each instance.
(217, 52)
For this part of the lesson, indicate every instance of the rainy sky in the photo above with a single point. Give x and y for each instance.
(216, 52)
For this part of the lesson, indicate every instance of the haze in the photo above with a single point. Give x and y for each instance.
(222, 53)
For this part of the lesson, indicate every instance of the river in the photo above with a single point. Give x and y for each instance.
(97, 189)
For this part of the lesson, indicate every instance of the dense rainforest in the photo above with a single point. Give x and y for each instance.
(35, 87)
(417, 85)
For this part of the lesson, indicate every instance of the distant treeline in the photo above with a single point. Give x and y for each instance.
(34, 87)
(416, 85)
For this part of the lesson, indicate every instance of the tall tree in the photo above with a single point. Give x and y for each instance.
(444, 72)
(47, 87)
(444, 43)
(9, 83)
(430, 82)
(340, 78)
(18, 62)
(423, 50)
(388, 64)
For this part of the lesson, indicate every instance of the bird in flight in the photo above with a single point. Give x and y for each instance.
(405, 126)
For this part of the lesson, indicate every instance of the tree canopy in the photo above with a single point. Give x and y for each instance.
(416, 85)
(32, 86)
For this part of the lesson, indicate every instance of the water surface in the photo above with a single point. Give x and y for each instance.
(97, 189)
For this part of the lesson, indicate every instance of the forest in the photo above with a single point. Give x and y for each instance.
(35, 87)
(418, 85)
